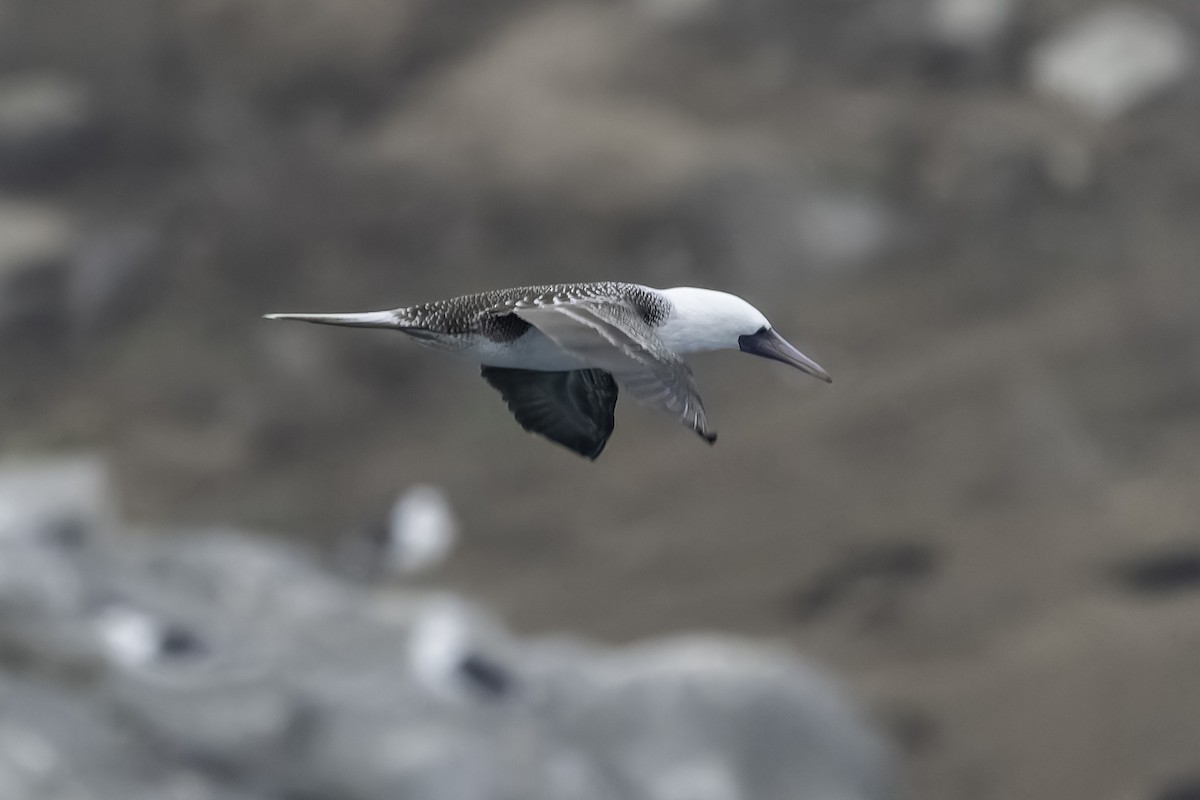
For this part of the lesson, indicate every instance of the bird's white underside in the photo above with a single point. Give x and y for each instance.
(533, 350)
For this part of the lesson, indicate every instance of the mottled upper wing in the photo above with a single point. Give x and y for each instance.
(650, 305)
(609, 333)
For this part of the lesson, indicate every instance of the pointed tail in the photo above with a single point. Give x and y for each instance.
(367, 319)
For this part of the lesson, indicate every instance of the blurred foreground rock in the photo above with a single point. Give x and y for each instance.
(216, 665)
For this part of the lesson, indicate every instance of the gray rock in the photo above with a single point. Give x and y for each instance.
(49, 513)
(113, 278)
(936, 41)
(224, 718)
(276, 640)
(52, 499)
(213, 664)
(48, 128)
(1112, 60)
(271, 47)
(711, 718)
(768, 227)
(36, 247)
(60, 744)
(972, 24)
(53, 279)
(679, 13)
(553, 124)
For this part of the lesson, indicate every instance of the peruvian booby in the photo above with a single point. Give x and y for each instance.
(558, 353)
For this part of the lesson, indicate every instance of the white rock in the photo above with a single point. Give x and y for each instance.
(131, 637)
(446, 636)
(422, 529)
(439, 640)
(971, 23)
(697, 779)
(1113, 60)
(843, 228)
(39, 495)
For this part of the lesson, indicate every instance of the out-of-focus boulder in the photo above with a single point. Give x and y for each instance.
(679, 13)
(62, 499)
(772, 229)
(1112, 60)
(533, 113)
(55, 280)
(115, 275)
(305, 47)
(51, 514)
(58, 744)
(937, 41)
(705, 717)
(37, 244)
(48, 128)
(972, 24)
(422, 529)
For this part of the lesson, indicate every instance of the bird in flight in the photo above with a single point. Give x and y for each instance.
(558, 353)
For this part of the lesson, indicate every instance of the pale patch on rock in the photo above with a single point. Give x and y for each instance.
(1113, 60)
(534, 112)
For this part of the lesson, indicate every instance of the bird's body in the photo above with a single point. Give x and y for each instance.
(557, 352)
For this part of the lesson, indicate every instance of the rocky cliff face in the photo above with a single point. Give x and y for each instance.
(980, 215)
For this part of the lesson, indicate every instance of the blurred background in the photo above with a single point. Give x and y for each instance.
(979, 215)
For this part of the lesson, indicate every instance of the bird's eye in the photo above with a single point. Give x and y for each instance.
(761, 330)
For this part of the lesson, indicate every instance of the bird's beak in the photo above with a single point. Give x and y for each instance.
(368, 319)
(769, 344)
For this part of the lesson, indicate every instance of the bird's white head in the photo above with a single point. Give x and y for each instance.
(704, 319)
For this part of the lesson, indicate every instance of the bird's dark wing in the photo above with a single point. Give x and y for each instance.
(613, 336)
(574, 409)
